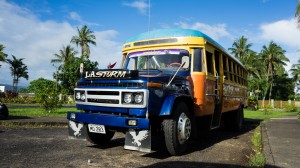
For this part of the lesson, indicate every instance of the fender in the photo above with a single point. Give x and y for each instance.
(168, 104)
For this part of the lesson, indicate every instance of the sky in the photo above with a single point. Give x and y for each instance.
(37, 29)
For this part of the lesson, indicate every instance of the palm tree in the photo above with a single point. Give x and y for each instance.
(18, 70)
(84, 38)
(240, 48)
(65, 54)
(297, 14)
(252, 64)
(274, 59)
(2, 54)
(296, 72)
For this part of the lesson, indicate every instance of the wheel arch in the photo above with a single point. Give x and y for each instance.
(172, 100)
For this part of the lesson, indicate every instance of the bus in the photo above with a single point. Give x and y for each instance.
(172, 82)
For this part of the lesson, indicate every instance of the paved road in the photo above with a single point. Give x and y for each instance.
(50, 147)
(281, 138)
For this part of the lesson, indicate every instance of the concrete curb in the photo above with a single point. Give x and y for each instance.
(34, 121)
(266, 145)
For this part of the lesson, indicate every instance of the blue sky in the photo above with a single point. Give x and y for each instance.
(37, 29)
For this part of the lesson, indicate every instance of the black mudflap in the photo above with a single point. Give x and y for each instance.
(77, 130)
(139, 140)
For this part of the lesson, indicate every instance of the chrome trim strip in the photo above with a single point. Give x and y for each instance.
(207, 94)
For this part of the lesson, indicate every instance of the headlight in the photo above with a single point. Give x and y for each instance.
(80, 95)
(77, 96)
(127, 98)
(133, 97)
(138, 98)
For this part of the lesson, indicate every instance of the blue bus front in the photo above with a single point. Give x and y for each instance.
(130, 99)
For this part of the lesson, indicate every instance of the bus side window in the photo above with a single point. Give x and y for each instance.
(217, 62)
(197, 60)
(209, 63)
(230, 71)
(225, 67)
(234, 72)
(240, 75)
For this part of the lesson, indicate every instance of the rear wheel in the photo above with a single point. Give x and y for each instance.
(178, 129)
(100, 139)
(234, 120)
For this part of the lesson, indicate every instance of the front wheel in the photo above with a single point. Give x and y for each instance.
(178, 129)
(100, 139)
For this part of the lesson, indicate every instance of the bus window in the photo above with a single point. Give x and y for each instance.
(240, 74)
(225, 67)
(230, 70)
(234, 72)
(217, 62)
(197, 60)
(209, 63)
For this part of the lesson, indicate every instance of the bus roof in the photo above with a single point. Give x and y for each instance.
(167, 33)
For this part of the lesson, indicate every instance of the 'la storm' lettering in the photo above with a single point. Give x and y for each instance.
(105, 74)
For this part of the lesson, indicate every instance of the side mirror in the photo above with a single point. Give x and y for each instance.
(185, 60)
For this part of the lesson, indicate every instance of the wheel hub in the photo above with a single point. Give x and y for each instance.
(184, 128)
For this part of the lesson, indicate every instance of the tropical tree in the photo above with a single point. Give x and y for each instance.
(2, 54)
(68, 71)
(84, 38)
(295, 70)
(65, 55)
(283, 88)
(274, 59)
(18, 70)
(240, 48)
(46, 94)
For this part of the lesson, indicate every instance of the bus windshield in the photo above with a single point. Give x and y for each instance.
(167, 59)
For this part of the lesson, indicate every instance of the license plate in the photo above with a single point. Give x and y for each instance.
(97, 128)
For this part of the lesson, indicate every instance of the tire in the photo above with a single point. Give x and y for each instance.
(234, 120)
(178, 130)
(100, 139)
(3, 111)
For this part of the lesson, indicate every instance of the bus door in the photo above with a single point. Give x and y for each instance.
(216, 117)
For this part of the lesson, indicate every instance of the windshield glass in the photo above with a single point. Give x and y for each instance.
(157, 59)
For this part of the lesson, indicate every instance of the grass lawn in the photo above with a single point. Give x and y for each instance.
(39, 112)
(263, 115)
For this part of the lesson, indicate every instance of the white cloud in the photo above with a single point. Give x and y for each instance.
(141, 6)
(286, 34)
(214, 31)
(282, 31)
(26, 36)
(75, 16)
(106, 50)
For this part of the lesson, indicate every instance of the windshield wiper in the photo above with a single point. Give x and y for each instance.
(175, 73)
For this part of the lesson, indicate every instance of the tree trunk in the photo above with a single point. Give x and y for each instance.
(270, 93)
